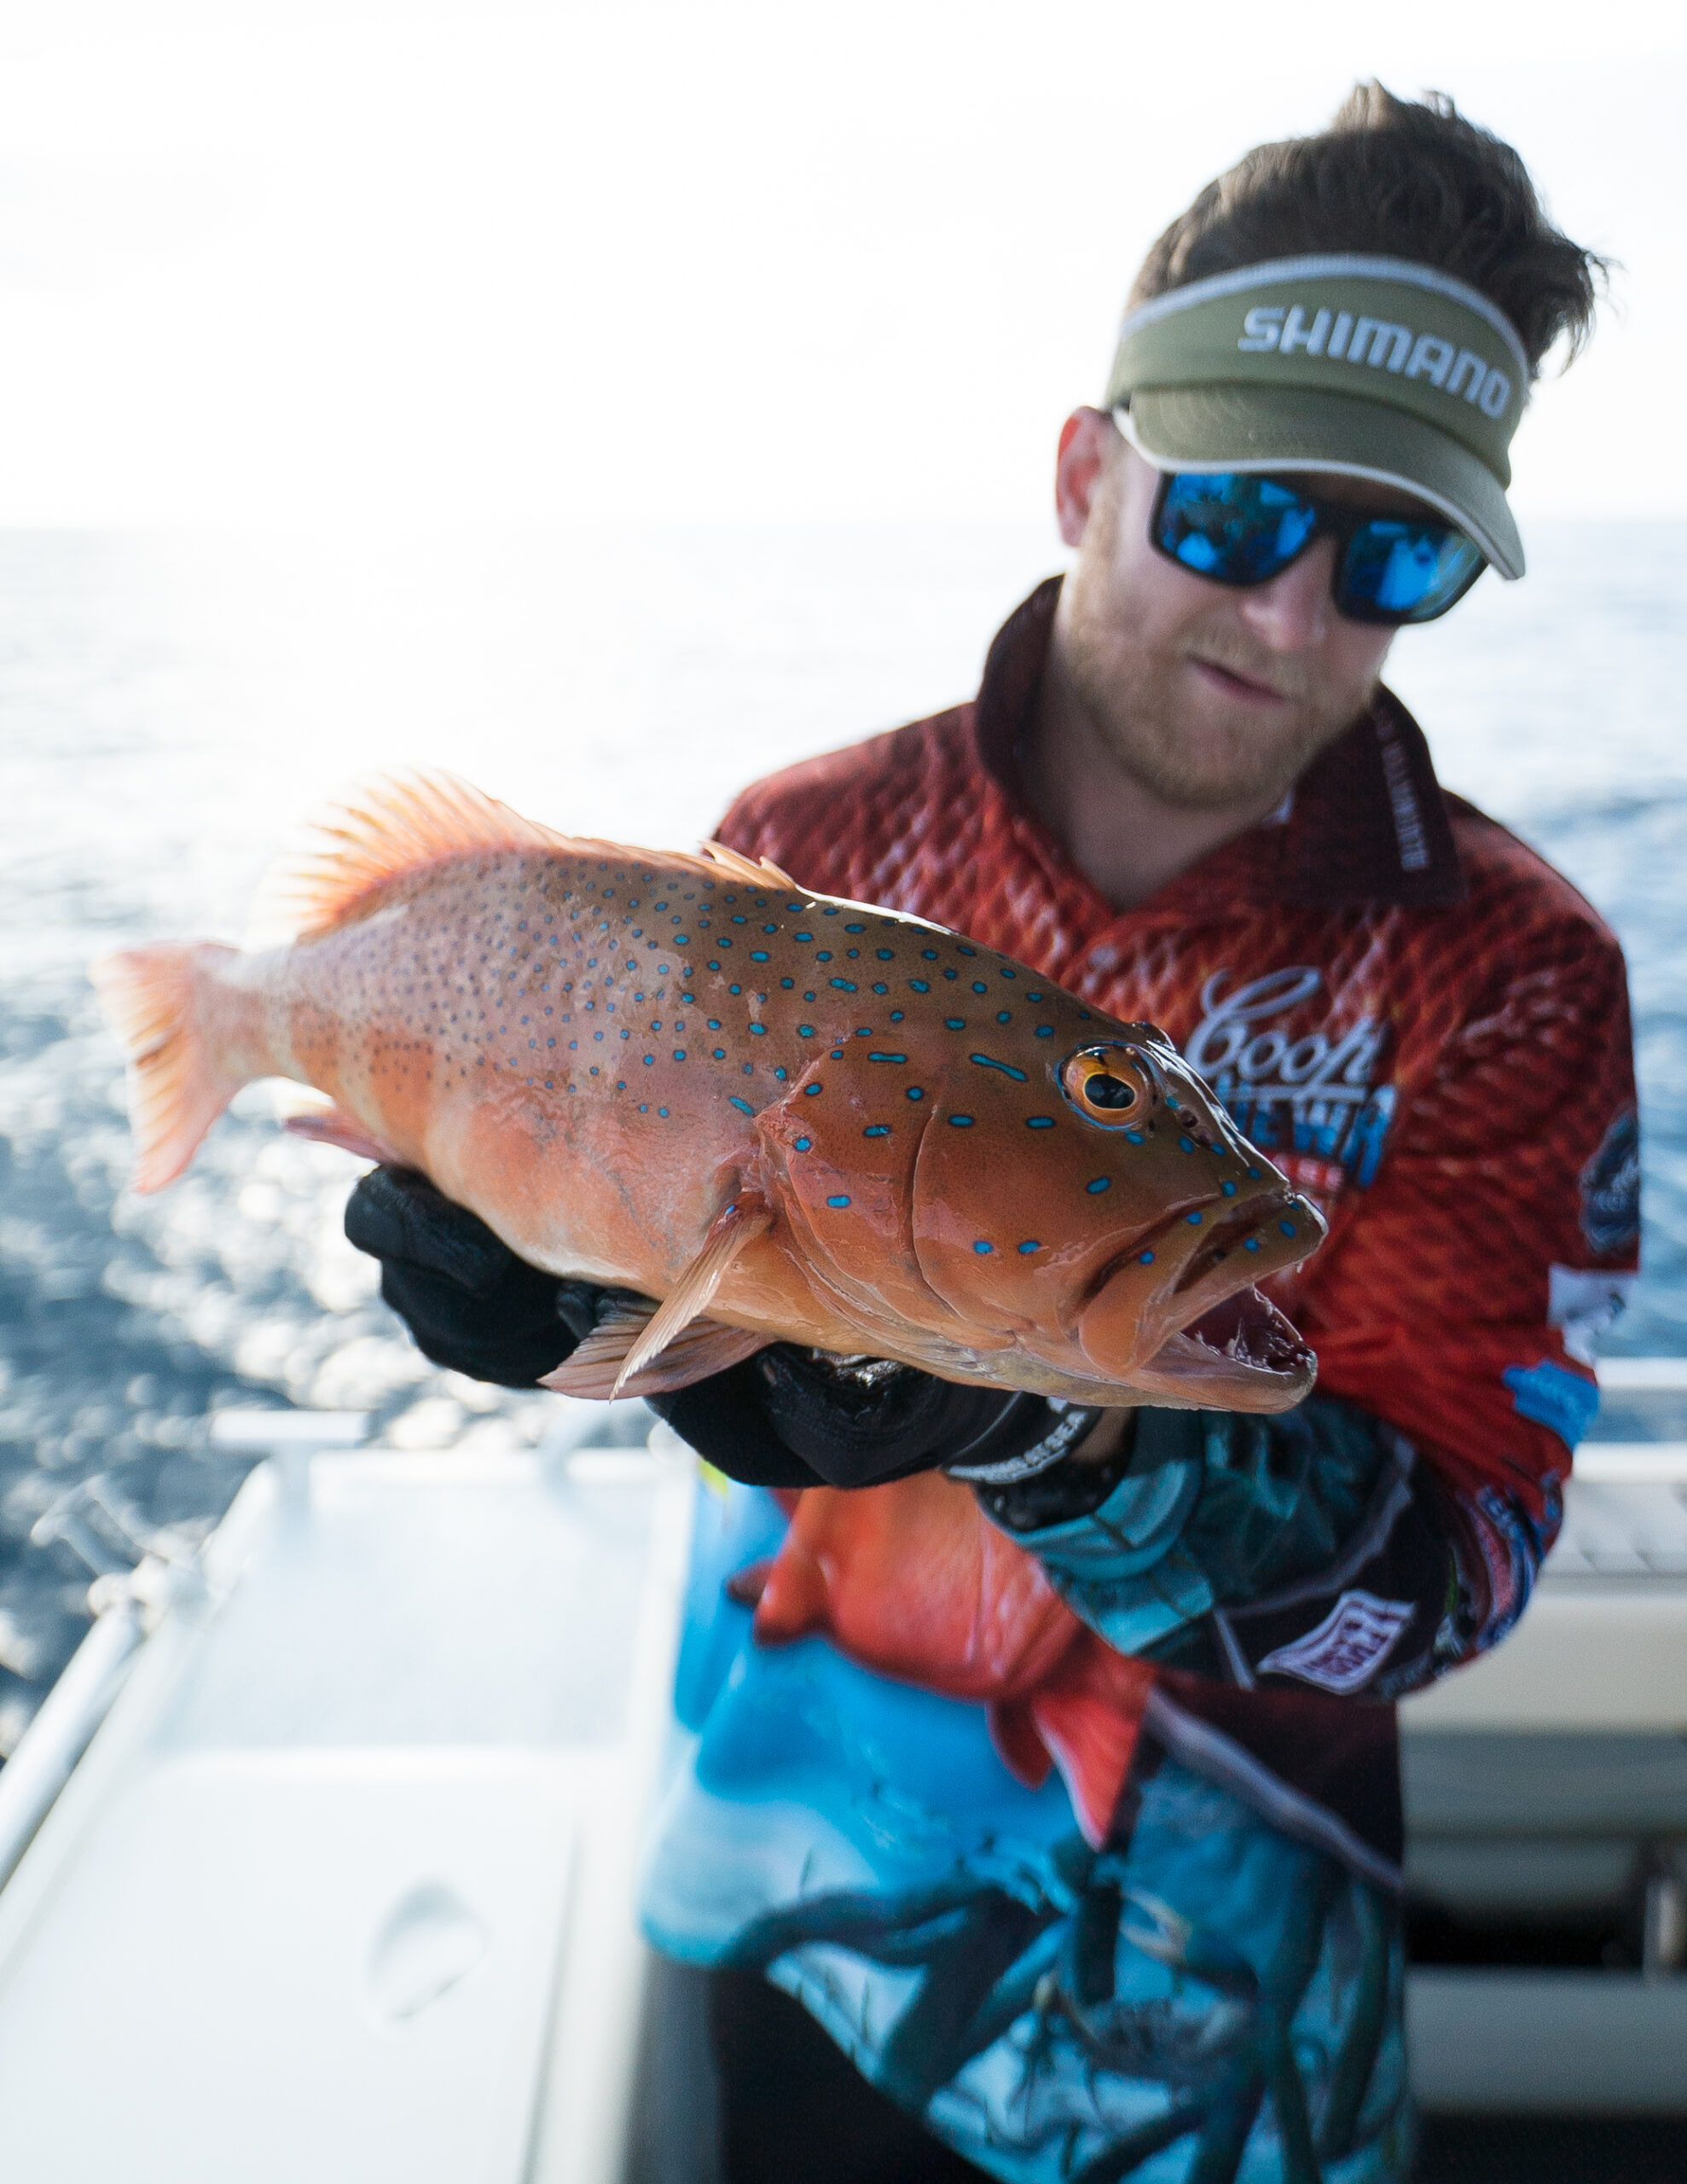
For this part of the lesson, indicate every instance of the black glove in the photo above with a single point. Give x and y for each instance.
(795, 1417)
(470, 1304)
(787, 1417)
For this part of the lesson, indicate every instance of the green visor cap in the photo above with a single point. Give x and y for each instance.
(1372, 367)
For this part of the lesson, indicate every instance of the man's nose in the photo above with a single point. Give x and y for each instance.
(1291, 613)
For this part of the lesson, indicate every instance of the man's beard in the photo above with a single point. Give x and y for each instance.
(1132, 697)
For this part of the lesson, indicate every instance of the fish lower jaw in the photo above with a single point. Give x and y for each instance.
(1242, 1354)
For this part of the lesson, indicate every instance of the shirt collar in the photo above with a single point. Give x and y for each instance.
(1367, 823)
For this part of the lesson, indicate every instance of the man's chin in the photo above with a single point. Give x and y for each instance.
(1213, 752)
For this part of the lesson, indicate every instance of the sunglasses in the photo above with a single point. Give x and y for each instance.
(1239, 529)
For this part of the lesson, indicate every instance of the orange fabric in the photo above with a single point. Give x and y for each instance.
(911, 1580)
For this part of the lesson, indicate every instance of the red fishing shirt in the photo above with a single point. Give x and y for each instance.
(1423, 1023)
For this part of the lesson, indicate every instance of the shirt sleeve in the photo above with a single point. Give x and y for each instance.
(1313, 1549)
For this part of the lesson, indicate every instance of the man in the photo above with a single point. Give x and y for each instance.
(1182, 790)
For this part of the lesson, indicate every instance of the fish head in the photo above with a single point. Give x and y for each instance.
(1101, 1209)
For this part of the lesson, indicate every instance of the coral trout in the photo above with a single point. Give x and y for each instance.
(784, 1118)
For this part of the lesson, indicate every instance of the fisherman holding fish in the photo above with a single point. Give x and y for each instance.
(1044, 1631)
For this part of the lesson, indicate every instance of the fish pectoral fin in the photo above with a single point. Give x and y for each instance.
(333, 1126)
(759, 871)
(597, 1369)
(740, 1222)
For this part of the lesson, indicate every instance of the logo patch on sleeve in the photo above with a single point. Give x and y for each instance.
(1347, 1647)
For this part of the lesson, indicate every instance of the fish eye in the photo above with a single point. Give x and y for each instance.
(1110, 1084)
(1105, 1090)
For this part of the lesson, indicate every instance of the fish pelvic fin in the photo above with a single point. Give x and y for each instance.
(332, 1125)
(176, 1090)
(759, 871)
(596, 1369)
(740, 1222)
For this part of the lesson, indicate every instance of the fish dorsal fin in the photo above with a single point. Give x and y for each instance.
(746, 1217)
(761, 872)
(393, 824)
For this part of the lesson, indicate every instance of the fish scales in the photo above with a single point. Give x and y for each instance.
(919, 1149)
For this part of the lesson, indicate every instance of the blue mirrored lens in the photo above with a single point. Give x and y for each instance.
(1411, 571)
(1234, 528)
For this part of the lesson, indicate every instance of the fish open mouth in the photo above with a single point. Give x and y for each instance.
(1240, 1354)
(1247, 1329)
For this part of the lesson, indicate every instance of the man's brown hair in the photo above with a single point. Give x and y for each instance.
(1393, 178)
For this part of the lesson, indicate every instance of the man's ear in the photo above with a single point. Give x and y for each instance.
(1086, 442)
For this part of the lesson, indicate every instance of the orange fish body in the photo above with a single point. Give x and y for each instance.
(790, 1118)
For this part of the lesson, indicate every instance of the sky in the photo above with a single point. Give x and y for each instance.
(298, 264)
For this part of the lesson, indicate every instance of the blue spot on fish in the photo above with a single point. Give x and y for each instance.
(838, 1200)
(960, 1122)
(1250, 1244)
(1100, 1183)
(1044, 1030)
(901, 1058)
(679, 1054)
(877, 1129)
(810, 1090)
(982, 1248)
(1193, 1219)
(743, 1105)
(1030, 1244)
(1040, 1122)
(1185, 1145)
(988, 1061)
(920, 985)
(805, 1031)
(803, 1144)
(1229, 1189)
(914, 1092)
(1288, 1228)
(758, 955)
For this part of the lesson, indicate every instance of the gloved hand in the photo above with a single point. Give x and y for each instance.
(470, 1304)
(787, 1417)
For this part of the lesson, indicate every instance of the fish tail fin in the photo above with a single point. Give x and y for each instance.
(176, 1090)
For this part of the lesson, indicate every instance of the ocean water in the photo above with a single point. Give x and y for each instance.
(171, 708)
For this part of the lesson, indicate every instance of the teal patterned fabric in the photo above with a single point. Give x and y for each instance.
(1217, 1510)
